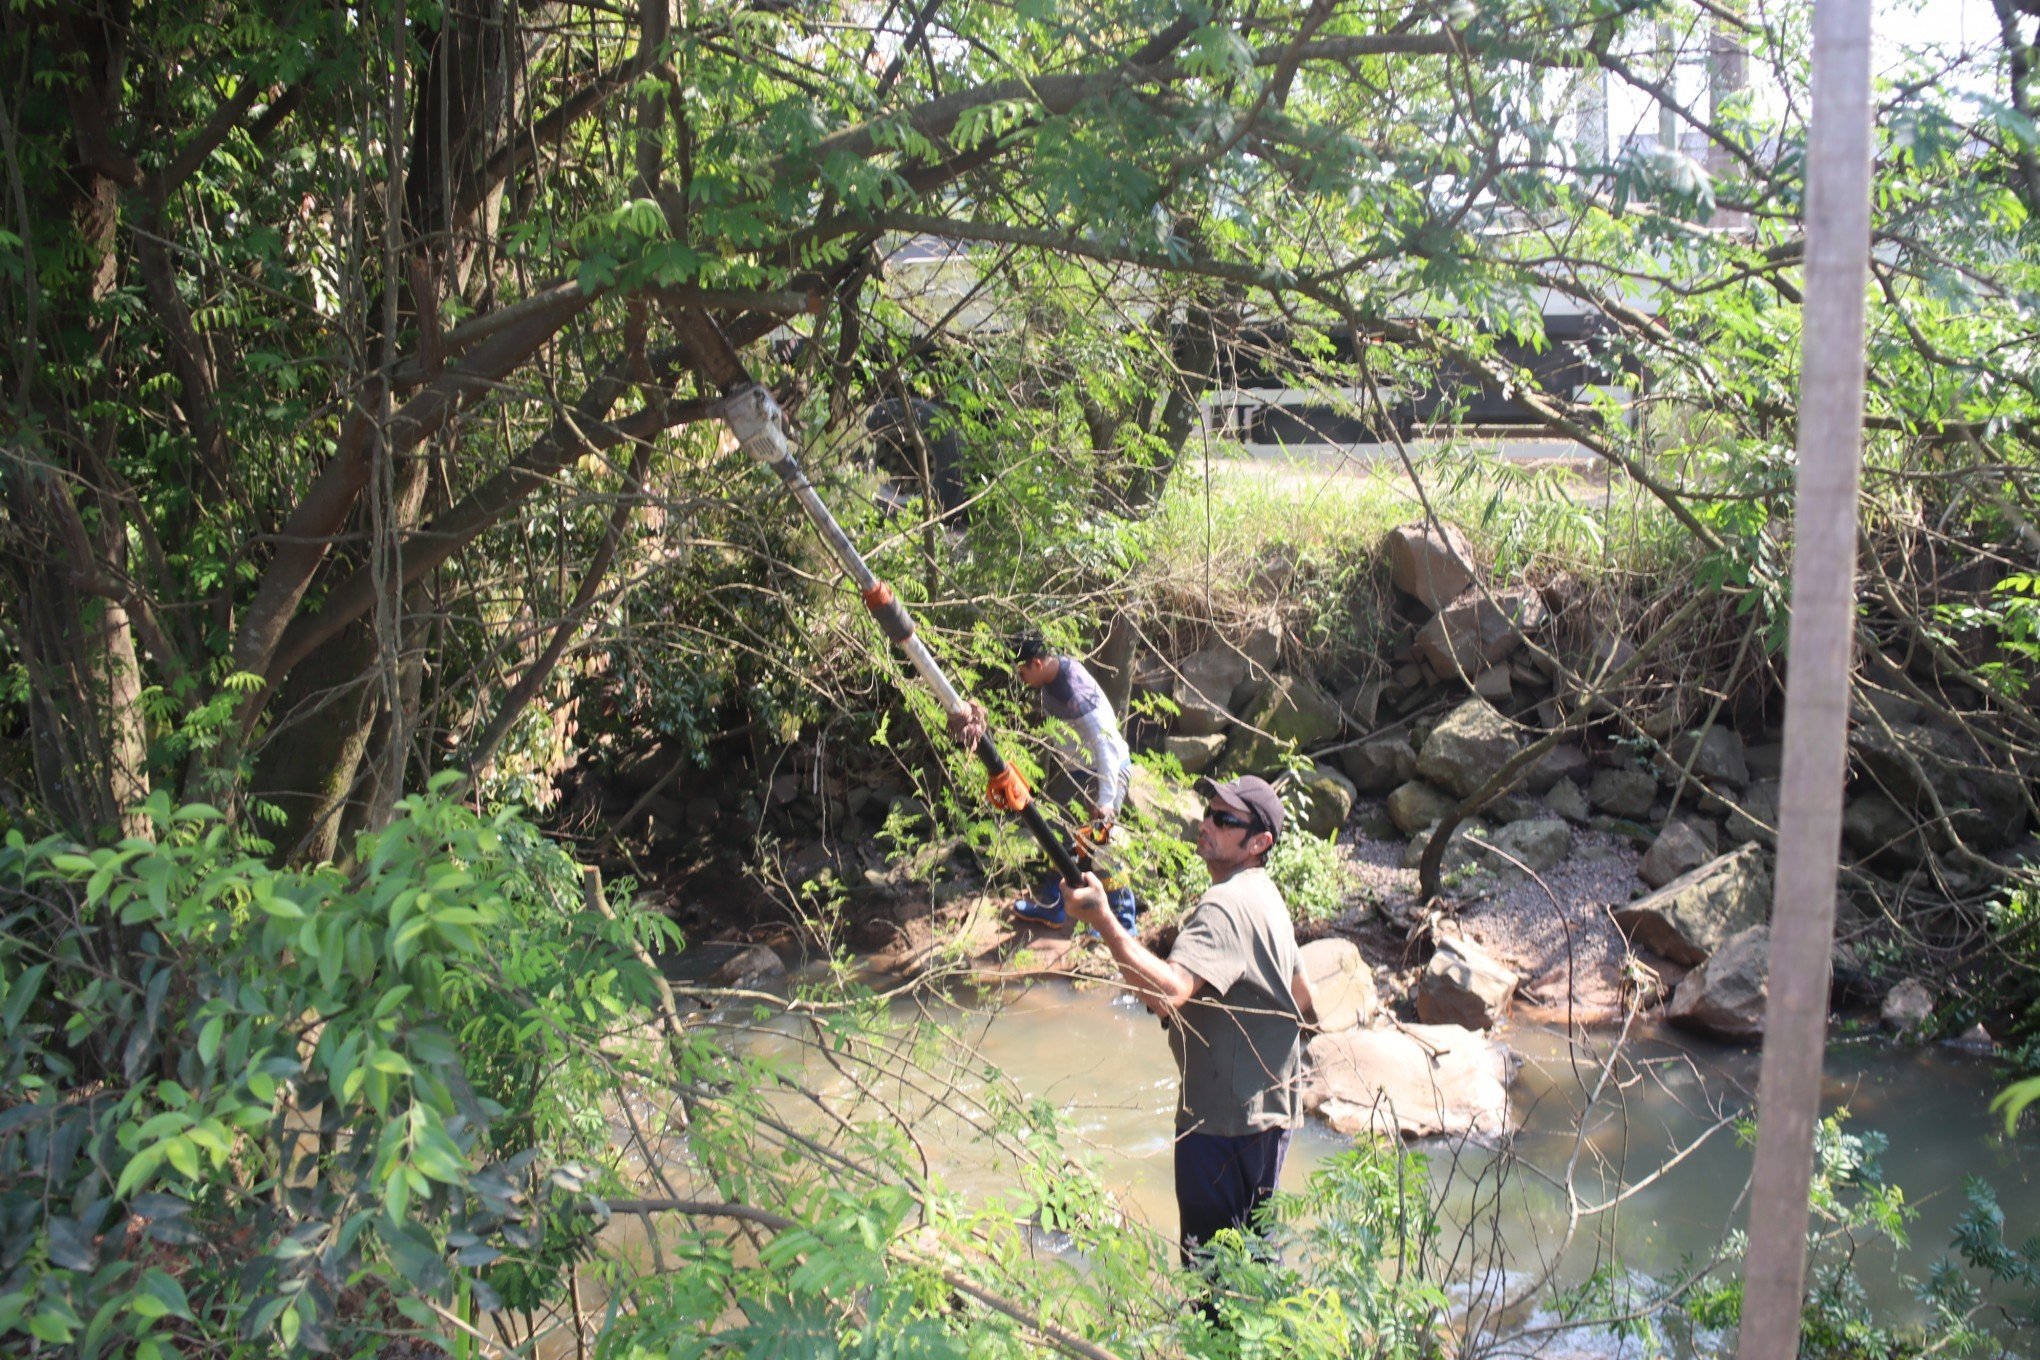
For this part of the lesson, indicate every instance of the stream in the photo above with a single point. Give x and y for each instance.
(1662, 1125)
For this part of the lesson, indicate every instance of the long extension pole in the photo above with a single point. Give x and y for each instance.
(754, 418)
(1817, 676)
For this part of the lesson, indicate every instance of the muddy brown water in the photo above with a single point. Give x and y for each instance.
(1642, 1140)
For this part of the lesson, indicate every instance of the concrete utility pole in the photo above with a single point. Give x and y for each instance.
(1728, 82)
(1817, 676)
(1590, 141)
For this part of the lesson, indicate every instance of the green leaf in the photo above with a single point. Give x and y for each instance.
(21, 994)
(282, 908)
(182, 1154)
(209, 1038)
(139, 1171)
(2014, 1100)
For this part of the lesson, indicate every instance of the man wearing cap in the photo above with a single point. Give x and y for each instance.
(1234, 998)
(1070, 694)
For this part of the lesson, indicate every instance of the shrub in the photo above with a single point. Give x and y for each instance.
(294, 1108)
(1313, 879)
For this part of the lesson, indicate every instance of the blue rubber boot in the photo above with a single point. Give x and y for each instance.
(1045, 908)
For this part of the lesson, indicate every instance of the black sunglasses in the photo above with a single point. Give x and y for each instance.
(1220, 817)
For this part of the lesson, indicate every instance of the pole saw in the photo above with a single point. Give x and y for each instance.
(754, 418)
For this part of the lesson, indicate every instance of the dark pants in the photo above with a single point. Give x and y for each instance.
(1220, 1182)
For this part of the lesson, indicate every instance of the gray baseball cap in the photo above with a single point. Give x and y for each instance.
(1251, 792)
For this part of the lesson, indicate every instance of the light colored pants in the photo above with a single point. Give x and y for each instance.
(1111, 762)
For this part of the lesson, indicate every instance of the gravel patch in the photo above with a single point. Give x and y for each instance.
(1546, 936)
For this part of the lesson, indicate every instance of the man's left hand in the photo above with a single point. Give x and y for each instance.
(968, 727)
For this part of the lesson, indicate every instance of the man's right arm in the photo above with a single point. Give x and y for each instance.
(1163, 987)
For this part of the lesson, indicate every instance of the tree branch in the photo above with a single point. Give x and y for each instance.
(520, 695)
(323, 510)
(571, 437)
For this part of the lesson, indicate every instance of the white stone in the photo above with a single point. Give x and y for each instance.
(1417, 1081)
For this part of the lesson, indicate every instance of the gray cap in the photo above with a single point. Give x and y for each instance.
(1251, 792)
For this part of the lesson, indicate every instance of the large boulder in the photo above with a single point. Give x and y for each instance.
(1766, 761)
(1726, 994)
(1622, 792)
(1563, 761)
(1204, 688)
(1690, 917)
(1433, 566)
(1378, 764)
(1874, 825)
(748, 966)
(1361, 704)
(1341, 984)
(1679, 849)
(1513, 807)
(1535, 843)
(1418, 1081)
(1194, 754)
(1416, 805)
(1907, 1008)
(1466, 748)
(1465, 985)
(1261, 640)
(1459, 851)
(1172, 810)
(1715, 755)
(1755, 815)
(1327, 800)
(1568, 800)
(1986, 806)
(1478, 629)
(1290, 710)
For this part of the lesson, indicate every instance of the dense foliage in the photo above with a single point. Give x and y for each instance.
(264, 1111)
(350, 411)
(356, 429)
(278, 1104)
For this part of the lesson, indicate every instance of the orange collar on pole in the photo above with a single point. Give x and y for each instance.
(754, 418)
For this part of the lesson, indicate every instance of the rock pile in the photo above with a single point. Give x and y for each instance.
(1686, 788)
(1480, 670)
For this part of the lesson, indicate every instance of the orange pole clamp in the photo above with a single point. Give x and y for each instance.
(1007, 791)
(890, 613)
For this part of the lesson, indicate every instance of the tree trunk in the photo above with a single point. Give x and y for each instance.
(309, 762)
(1112, 663)
(66, 551)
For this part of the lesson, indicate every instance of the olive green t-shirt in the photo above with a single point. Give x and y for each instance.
(1238, 1042)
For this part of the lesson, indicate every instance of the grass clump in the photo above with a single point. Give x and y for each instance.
(1236, 535)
